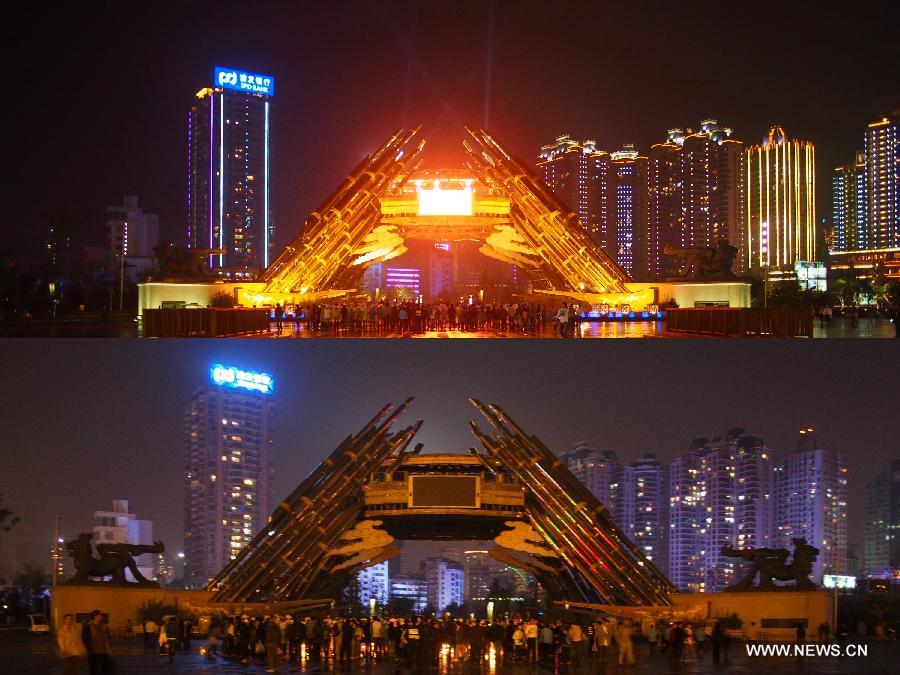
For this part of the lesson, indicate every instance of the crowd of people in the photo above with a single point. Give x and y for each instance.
(387, 318)
(421, 642)
(417, 642)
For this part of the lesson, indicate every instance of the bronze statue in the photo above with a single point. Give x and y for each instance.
(182, 263)
(113, 561)
(771, 564)
(705, 264)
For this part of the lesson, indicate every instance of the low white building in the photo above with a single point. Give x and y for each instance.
(118, 526)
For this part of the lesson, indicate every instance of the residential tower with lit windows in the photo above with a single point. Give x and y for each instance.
(810, 502)
(228, 469)
(229, 172)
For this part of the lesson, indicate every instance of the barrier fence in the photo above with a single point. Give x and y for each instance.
(742, 321)
(204, 322)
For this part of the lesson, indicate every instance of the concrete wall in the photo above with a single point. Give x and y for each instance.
(752, 608)
(121, 603)
(687, 293)
(152, 294)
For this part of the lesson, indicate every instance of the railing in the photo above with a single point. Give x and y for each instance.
(742, 321)
(204, 322)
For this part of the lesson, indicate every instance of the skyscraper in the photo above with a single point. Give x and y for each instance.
(883, 184)
(882, 529)
(629, 188)
(695, 194)
(720, 494)
(849, 205)
(228, 468)
(780, 202)
(649, 524)
(596, 470)
(579, 174)
(228, 172)
(810, 489)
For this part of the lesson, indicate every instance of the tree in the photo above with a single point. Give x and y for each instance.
(7, 518)
(399, 606)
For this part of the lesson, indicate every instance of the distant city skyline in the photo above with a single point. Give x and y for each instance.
(405, 63)
(86, 425)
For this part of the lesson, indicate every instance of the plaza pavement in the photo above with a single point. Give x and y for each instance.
(20, 655)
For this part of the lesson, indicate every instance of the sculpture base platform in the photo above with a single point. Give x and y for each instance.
(766, 616)
(122, 603)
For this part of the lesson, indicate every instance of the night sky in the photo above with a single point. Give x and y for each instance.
(88, 421)
(99, 92)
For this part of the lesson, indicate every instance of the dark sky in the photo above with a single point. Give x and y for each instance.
(88, 421)
(99, 92)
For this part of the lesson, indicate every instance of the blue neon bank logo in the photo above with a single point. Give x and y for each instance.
(238, 80)
(229, 376)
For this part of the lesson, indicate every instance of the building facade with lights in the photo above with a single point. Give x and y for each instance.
(882, 529)
(374, 583)
(579, 174)
(810, 502)
(443, 581)
(132, 236)
(866, 207)
(780, 202)
(120, 526)
(228, 470)
(228, 172)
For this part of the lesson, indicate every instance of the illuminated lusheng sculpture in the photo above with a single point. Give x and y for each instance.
(497, 200)
(113, 561)
(372, 490)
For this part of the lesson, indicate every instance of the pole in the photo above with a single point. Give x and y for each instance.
(121, 281)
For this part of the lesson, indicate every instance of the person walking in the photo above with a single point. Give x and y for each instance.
(626, 647)
(718, 640)
(95, 635)
(562, 316)
(151, 636)
(576, 640)
(71, 645)
(173, 633)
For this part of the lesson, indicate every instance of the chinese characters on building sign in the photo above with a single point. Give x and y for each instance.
(253, 83)
(229, 376)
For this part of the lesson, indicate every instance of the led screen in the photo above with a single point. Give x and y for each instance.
(449, 491)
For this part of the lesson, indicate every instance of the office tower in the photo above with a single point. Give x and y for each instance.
(719, 494)
(629, 188)
(444, 581)
(118, 526)
(849, 206)
(579, 174)
(374, 582)
(810, 489)
(228, 468)
(228, 172)
(695, 194)
(882, 529)
(132, 236)
(781, 202)
(883, 184)
(596, 470)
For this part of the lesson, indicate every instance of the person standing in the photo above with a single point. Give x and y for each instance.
(623, 639)
(652, 638)
(718, 640)
(95, 635)
(273, 641)
(71, 645)
(576, 641)
(531, 638)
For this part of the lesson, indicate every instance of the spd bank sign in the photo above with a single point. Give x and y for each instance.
(238, 80)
